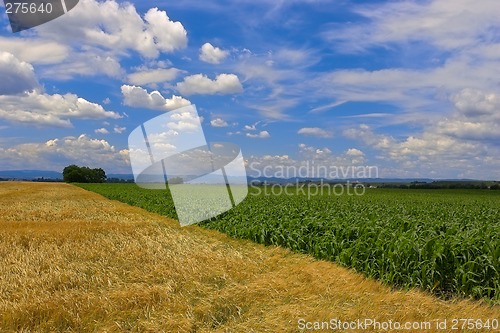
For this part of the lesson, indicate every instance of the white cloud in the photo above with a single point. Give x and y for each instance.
(356, 155)
(211, 54)
(40, 51)
(16, 76)
(475, 103)
(314, 131)
(149, 76)
(327, 106)
(422, 94)
(57, 153)
(456, 37)
(260, 135)
(56, 110)
(444, 150)
(101, 131)
(446, 24)
(354, 152)
(89, 63)
(292, 57)
(97, 35)
(119, 129)
(311, 162)
(470, 130)
(398, 86)
(252, 127)
(272, 89)
(201, 84)
(117, 27)
(140, 98)
(364, 133)
(185, 122)
(310, 153)
(476, 117)
(218, 122)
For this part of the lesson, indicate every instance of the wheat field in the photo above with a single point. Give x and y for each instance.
(73, 261)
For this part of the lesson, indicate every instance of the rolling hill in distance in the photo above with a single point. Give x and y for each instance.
(54, 175)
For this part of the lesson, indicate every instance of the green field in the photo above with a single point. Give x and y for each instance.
(443, 241)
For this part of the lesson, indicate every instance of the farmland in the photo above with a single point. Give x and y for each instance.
(442, 241)
(73, 261)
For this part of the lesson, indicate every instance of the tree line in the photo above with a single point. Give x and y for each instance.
(76, 174)
(476, 185)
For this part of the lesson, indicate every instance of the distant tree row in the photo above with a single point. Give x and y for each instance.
(119, 180)
(76, 174)
(443, 185)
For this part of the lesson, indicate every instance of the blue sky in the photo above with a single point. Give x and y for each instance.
(411, 87)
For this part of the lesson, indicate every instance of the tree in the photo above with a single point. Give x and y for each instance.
(73, 174)
(76, 174)
(176, 180)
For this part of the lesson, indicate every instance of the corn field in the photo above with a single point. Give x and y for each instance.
(443, 241)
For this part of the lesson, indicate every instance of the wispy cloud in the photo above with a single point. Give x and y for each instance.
(327, 107)
(314, 131)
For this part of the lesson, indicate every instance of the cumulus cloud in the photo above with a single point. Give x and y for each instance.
(140, 98)
(88, 63)
(313, 153)
(260, 135)
(469, 130)
(476, 103)
(16, 76)
(218, 122)
(149, 76)
(201, 84)
(118, 27)
(477, 117)
(60, 152)
(354, 152)
(101, 131)
(211, 54)
(356, 155)
(314, 131)
(184, 122)
(444, 150)
(40, 51)
(44, 109)
(97, 35)
(311, 162)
